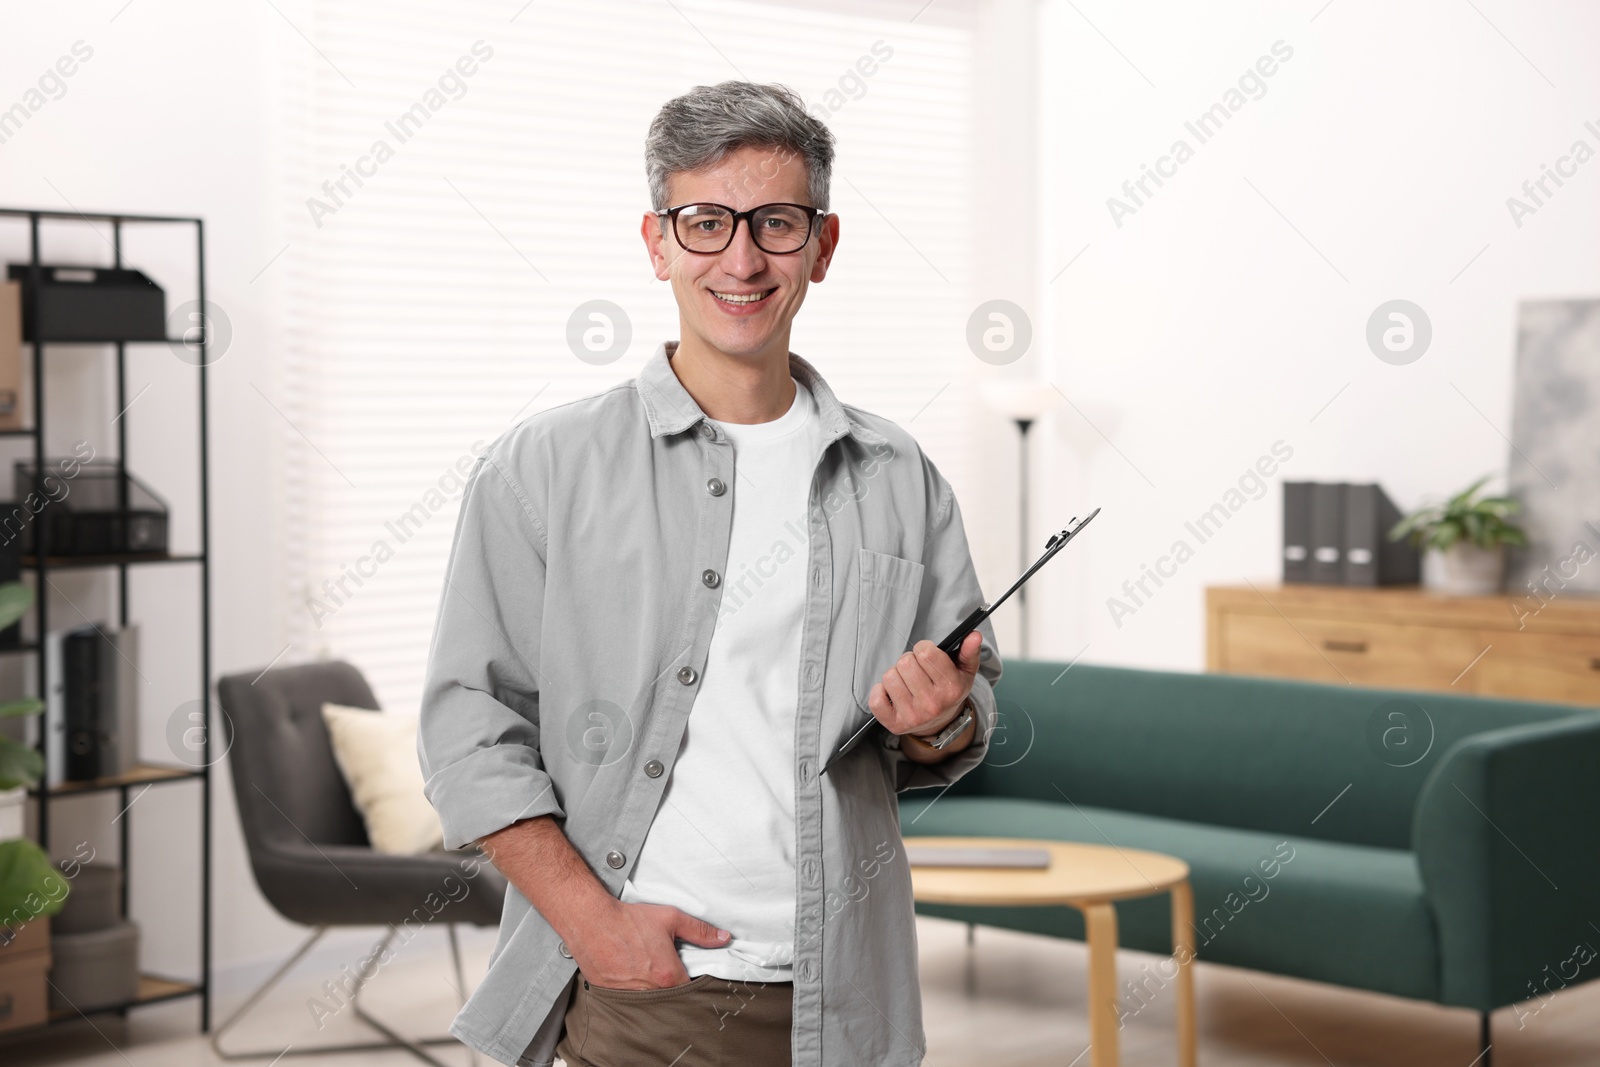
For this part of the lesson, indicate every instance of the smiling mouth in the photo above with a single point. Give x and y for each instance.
(742, 300)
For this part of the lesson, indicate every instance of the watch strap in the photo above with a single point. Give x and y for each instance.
(954, 729)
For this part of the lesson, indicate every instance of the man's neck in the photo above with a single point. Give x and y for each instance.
(737, 389)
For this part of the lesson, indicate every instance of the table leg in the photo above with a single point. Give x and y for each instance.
(1100, 922)
(1183, 956)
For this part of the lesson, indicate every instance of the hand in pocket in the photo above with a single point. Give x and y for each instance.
(636, 947)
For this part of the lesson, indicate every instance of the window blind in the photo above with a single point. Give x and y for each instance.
(458, 181)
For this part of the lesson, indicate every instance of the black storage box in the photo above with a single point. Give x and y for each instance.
(91, 518)
(91, 304)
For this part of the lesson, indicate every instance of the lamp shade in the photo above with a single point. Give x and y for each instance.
(1018, 397)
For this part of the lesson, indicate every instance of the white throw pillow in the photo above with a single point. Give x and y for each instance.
(377, 753)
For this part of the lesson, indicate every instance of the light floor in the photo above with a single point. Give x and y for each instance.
(1027, 1010)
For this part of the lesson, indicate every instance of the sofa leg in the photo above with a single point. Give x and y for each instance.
(1484, 1042)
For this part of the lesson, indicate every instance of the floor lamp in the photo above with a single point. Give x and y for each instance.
(1022, 400)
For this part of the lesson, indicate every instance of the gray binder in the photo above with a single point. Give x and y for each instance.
(1370, 558)
(1296, 532)
(1327, 533)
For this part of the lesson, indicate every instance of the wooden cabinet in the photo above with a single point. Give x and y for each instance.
(1404, 638)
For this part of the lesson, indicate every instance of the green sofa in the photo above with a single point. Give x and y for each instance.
(1444, 848)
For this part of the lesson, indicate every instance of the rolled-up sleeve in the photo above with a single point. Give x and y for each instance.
(478, 739)
(950, 592)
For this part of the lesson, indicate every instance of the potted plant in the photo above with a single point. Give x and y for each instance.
(29, 886)
(1464, 541)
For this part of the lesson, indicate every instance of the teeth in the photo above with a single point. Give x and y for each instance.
(734, 298)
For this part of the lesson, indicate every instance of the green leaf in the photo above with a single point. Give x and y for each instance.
(1416, 525)
(15, 600)
(30, 706)
(29, 886)
(1461, 498)
(19, 765)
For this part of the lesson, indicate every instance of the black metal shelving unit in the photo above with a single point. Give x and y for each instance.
(152, 988)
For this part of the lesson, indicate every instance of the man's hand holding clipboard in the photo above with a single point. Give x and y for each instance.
(952, 646)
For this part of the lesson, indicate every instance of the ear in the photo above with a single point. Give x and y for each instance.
(650, 230)
(827, 242)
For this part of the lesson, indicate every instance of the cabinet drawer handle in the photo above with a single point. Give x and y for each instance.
(1350, 646)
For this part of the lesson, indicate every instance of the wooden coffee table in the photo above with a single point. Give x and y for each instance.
(1090, 878)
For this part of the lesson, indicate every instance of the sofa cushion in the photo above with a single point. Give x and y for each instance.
(1352, 915)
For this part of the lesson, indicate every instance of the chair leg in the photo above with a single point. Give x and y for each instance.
(394, 1036)
(1484, 1042)
(394, 1039)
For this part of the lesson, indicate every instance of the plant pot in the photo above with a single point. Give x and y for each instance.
(1464, 569)
(13, 806)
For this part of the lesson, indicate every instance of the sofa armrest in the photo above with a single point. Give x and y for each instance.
(1507, 836)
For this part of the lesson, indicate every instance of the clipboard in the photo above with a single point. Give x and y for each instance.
(951, 645)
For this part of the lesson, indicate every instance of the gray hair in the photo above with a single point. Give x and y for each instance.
(703, 125)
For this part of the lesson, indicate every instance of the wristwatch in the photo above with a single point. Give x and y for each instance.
(942, 740)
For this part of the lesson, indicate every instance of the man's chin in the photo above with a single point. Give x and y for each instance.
(738, 342)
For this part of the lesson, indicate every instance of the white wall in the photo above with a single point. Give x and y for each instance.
(1206, 327)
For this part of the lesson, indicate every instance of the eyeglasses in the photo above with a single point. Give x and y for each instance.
(707, 229)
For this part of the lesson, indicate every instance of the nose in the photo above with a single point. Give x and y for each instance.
(742, 258)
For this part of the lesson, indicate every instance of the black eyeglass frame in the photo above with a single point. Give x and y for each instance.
(748, 217)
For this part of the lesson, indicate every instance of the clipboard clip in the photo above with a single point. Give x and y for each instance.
(951, 645)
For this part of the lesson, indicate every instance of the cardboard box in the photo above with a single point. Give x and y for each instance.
(31, 936)
(24, 964)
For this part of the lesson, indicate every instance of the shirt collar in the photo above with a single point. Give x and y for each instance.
(670, 409)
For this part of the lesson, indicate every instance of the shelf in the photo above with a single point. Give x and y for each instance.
(123, 341)
(96, 216)
(114, 565)
(153, 989)
(142, 774)
(61, 563)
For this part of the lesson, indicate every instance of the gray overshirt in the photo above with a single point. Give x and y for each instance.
(579, 602)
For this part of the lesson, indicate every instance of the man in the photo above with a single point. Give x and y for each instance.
(667, 605)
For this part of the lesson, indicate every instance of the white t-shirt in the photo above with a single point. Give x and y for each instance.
(722, 846)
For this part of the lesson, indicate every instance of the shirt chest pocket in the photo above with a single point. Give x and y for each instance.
(888, 589)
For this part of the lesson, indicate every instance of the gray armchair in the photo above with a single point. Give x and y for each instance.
(308, 845)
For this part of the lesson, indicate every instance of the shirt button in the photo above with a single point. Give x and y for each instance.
(706, 430)
(811, 674)
(710, 578)
(808, 971)
(806, 772)
(653, 769)
(615, 859)
(816, 578)
(715, 487)
(686, 675)
(564, 950)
